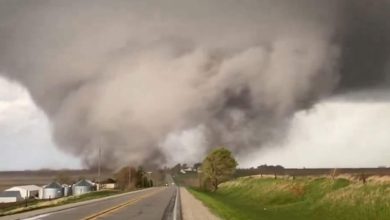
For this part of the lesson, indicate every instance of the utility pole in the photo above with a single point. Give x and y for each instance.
(99, 164)
(129, 176)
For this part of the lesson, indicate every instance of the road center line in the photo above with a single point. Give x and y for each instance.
(120, 206)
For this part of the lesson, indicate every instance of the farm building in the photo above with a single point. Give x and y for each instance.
(108, 184)
(82, 186)
(10, 196)
(52, 191)
(27, 191)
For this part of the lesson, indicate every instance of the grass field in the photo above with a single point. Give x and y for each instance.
(318, 198)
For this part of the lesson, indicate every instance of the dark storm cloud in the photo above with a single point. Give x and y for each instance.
(365, 44)
(127, 74)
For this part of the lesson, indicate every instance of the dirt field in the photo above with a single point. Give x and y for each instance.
(43, 177)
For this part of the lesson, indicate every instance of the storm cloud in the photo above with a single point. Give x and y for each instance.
(131, 75)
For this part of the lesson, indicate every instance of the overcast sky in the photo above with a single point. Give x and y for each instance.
(335, 133)
(25, 138)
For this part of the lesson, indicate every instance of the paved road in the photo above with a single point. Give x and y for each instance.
(154, 204)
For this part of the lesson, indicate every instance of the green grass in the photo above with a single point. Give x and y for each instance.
(303, 198)
(39, 204)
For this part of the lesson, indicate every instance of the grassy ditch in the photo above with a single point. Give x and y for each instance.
(303, 198)
(39, 204)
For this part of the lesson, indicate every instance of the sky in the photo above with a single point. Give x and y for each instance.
(25, 135)
(334, 133)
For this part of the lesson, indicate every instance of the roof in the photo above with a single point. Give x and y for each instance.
(109, 180)
(25, 187)
(53, 185)
(83, 182)
(10, 194)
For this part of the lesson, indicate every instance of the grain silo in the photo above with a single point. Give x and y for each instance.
(52, 191)
(81, 187)
(67, 190)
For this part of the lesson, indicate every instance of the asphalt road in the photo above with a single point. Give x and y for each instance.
(154, 204)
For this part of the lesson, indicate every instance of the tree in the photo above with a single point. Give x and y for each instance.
(140, 177)
(218, 167)
(64, 177)
(196, 166)
(176, 169)
(125, 178)
(145, 182)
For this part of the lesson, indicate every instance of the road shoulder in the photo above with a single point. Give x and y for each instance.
(193, 209)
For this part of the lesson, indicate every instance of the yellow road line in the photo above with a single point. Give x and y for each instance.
(118, 207)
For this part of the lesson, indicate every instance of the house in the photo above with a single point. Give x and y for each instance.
(10, 196)
(108, 184)
(27, 191)
(189, 169)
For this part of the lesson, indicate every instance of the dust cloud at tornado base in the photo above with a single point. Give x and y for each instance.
(163, 82)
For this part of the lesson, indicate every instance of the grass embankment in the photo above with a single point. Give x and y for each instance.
(303, 198)
(39, 204)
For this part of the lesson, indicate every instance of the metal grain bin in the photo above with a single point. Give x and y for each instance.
(67, 190)
(52, 191)
(81, 187)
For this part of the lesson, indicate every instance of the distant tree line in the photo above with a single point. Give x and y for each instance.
(178, 167)
(131, 178)
(270, 167)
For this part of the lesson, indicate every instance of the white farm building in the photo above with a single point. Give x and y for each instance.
(10, 196)
(27, 191)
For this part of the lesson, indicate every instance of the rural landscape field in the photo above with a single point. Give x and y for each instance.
(260, 193)
(302, 198)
